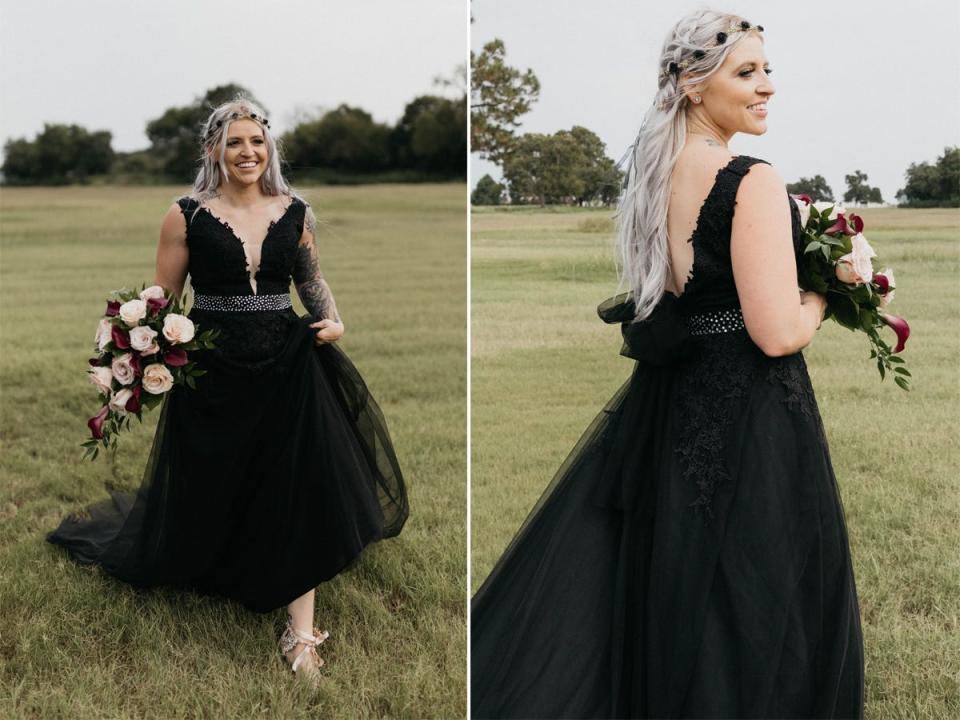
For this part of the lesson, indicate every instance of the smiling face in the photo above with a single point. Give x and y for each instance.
(740, 82)
(246, 152)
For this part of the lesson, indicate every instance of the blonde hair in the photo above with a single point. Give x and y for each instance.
(641, 216)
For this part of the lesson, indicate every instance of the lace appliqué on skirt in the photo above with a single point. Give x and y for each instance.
(712, 389)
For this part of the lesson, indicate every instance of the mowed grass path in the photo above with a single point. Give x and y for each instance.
(76, 643)
(544, 364)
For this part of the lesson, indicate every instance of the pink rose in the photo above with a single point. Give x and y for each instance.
(104, 334)
(855, 267)
(118, 403)
(142, 337)
(157, 379)
(177, 328)
(154, 291)
(133, 311)
(101, 378)
(123, 369)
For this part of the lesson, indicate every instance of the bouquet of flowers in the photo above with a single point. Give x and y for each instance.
(142, 343)
(838, 262)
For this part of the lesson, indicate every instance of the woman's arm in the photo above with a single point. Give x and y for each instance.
(172, 252)
(312, 287)
(779, 319)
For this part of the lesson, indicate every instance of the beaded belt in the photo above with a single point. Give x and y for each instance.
(716, 321)
(242, 303)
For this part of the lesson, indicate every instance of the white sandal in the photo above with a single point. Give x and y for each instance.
(291, 637)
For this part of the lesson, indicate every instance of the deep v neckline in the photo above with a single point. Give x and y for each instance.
(691, 274)
(243, 246)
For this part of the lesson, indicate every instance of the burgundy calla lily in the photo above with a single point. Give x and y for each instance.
(857, 222)
(136, 364)
(120, 337)
(900, 327)
(806, 199)
(840, 225)
(113, 308)
(175, 357)
(94, 362)
(154, 305)
(96, 422)
(133, 404)
(882, 282)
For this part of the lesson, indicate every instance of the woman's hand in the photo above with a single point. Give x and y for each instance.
(328, 331)
(814, 298)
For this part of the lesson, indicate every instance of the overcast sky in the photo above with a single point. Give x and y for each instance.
(115, 64)
(859, 85)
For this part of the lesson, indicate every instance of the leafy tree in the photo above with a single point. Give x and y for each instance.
(175, 135)
(60, 154)
(858, 191)
(935, 185)
(816, 187)
(487, 192)
(500, 94)
(569, 166)
(432, 136)
(346, 138)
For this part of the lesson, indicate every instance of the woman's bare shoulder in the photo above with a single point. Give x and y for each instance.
(698, 164)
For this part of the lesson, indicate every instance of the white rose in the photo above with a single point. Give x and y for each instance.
(157, 379)
(122, 369)
(886, 299)
(154, 348)
(119, 400)
(141, 337)
(154, 291)
(103, 335)
(177, 328)
(133, 311)
(101, 376)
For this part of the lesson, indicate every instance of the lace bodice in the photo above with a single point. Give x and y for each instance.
(218, 264)
(710, 284)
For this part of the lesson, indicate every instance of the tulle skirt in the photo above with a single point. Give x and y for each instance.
(267, 479)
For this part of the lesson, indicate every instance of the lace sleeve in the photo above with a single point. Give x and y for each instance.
(311, 286)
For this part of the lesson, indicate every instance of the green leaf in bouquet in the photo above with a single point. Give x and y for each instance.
(812, 246)
(867, 320)
(902, 371)
(881, 369)
(825, 249)
(896, 359)
(845, 310)
(902, 382)
(190, 382)
(814, 213)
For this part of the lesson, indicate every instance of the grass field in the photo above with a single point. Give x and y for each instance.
(76, 643)
(543, 365)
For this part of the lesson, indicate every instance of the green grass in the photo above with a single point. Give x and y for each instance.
(543, 365)
(77, 643)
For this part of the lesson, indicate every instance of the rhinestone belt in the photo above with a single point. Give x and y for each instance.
(716, 321)
(242, 303)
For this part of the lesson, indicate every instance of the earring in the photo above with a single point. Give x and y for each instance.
(696, 99)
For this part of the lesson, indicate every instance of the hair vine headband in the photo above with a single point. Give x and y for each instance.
(234, 116)
(675, 68)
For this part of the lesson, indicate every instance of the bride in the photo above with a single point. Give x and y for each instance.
(690, 557)
(277, 470)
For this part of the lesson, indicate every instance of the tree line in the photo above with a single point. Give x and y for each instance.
(571, 166)
(429, 142)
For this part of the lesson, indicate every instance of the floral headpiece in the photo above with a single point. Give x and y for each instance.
(674, 68)
(260, 119)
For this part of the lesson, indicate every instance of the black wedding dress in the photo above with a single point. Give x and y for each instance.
(690, 558)
(275, 472)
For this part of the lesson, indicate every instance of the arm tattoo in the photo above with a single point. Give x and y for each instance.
(311, 285)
